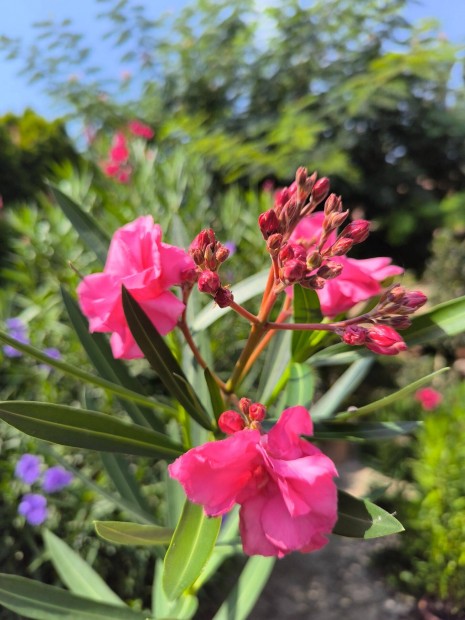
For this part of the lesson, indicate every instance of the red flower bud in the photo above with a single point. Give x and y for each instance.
(221, 253)
(223, 297)
(385, 340)
(293, 270)
(314, 260)
(314, 282)
(358, 231)
(209, 282)
(230, 422)
(333, 204)
(414, 300)
(204, 238)
(320, 190)
(269, 223)
(330, 270)
(340, 247)
(244, 405)
(354, 335)
(189, 275)
(257, 412)
(274, 243)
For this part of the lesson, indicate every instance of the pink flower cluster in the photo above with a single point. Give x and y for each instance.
(148, 268)
(283, 484)
(429, 398)
(117, 165)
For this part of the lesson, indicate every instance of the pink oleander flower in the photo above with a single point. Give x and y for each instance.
(429, 398)
(283, 484)
(147, 267)
(119, 152)
(137, 128)
(359, 280)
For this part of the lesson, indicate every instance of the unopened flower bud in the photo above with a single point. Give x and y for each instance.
(189, 275)
(223, 297)
(210, 257)
(221, 253)
(334, 220)
(301, 176)
(274, 243)
(231, 422)
(414, 300)
(293, 270)
(292, 250)
(314, 282)
(330, 270)
(204, 238)
(358, 231)
(333, 204)
(320, 190)
(385, 340)
(269, 223)
(209, 282)
(244, 405)
(354, 335)
(257, 412)
(314, 260)
(340, 247)
(396, 321)
(197, 255)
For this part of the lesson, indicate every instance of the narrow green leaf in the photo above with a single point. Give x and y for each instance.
(241, 600)
(359, 518)
(446, 319)
(243, 291)
(76, 574)
(81, 428)
(391, 398)
(216, 399)
(300, 386)
(94, 237)
(182, 608)
(306, 307)
(125, 533)
(162, 360)
(124, 481)
(338, 392)
(367, 431)
(99, 352)
(74, 371)
(191, 546)
(276, 365)
(33, 599)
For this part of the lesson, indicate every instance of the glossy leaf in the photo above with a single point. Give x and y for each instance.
(76, 574)
(243, 291)
(135, 534)
(360, 518)
(446, 319)
(391, 398)
(33, 599)
(242, 598)
(94, 237)
(338, 392)
(99, 352)
(162, 360)
(216, 399)
(124, 481)
(363, 432)
(300, 386)
(191, 546)
(81, 428)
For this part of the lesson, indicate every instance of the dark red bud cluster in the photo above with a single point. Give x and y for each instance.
(223, 297)
(251, 415)
(399, 301)
(269, 223)
(207, 252)
(209, 282)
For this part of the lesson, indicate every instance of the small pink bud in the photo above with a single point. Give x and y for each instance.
(204, 238)
(269, 223)
(320, 190)
(333, 204)
(231, 422)
(414, 300)
(340, 247)
(301, 176)
(274, 244)
(223, 297)
(293, 270)
(334, 220)
(244, 405)
(358, 231)
(257, 412)
(385, 340)
(330, 270)
(354, 335)
(221, 253)
(314, 260)
(189, 275)
(314, 282)
(209, 282)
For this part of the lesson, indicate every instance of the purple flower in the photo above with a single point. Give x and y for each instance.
(33, 508)
(231, 246)
(55, 479)
(28, 468)
(53, 353)
(17, 330)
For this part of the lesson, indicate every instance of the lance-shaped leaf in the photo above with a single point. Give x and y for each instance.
(191, 546)
(241, 600)
(99, 352)
(76, 574)
(94, 237)
(33, 599)
(300, 386)
(446, 319)
(162, 360)
(216, 399)
(363, 432)
(81, 428)
(360, 518)
(306, 307)
(135, 534)
(182, 608)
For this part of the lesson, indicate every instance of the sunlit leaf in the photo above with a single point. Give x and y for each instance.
(125, 533)
(360, 518)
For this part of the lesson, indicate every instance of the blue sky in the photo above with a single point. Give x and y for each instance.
(17, 94)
